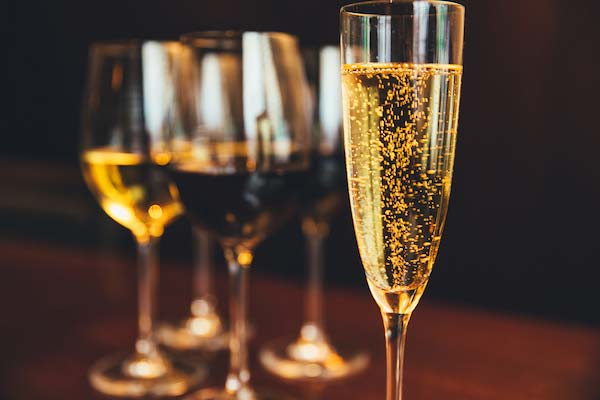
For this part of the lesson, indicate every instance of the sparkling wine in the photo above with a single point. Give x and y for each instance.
(401, 122)
(132, 190)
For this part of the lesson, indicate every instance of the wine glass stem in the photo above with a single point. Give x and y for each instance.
(395, 337)
(203, 301)
(239, 375)
(147, 281)
(314, 293)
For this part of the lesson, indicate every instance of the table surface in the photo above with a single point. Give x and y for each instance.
(64, 307)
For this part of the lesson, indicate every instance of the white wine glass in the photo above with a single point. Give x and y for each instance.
(127, 105)
(239, 158)
(401, 77)
(311, 355)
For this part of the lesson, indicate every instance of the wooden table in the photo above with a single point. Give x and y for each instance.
(62, 308)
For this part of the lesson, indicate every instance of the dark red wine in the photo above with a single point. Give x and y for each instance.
(326, 190)
(239, 208)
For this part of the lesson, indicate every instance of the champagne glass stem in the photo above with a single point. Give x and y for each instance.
(239, 375)
(395, 337)
(313, 325)
(203, 301)
(147, 281)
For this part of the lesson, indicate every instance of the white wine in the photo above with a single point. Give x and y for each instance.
(400, 122)
(132, 190)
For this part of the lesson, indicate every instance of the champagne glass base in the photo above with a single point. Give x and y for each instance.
(221, 394)
(298, 359)
(108, 376)
(194, 333)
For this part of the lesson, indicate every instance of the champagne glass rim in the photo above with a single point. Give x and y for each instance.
(229, 38)
(361, 9)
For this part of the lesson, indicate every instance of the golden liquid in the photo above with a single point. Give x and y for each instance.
(400, 124)
(133, 191)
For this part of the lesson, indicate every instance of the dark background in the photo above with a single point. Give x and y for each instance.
(522, 230)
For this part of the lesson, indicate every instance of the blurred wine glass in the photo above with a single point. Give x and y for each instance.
(239, 155)
(203, 329)
(127, 106)
(311, 355)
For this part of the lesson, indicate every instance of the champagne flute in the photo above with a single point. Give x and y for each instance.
(127, 105)
(203, 328)
(311, 355)
(238, 158)
(401, 74)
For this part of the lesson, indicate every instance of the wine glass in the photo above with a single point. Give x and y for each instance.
(311, 355)
(203, 329)
(401, 75)
(126, 107)
(239, 156)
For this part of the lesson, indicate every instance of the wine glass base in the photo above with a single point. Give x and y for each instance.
(107, 376)
(220, 394)
(295, 359)
(183, 338)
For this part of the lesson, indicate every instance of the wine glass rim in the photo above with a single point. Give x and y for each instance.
(321, 47)
(348, 9)
(116, 45)
(229, 37)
